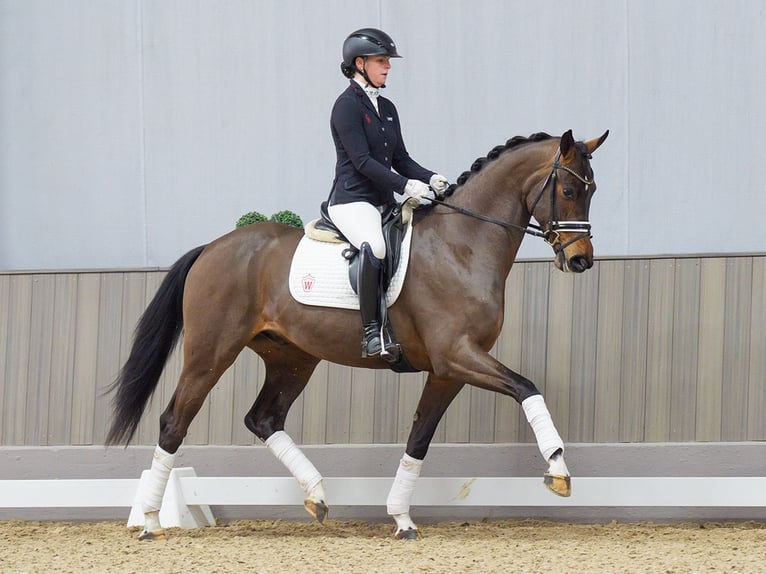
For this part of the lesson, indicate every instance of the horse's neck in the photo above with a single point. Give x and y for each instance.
(500, 191)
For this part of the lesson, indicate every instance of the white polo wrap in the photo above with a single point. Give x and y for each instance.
(153, 487)
(548, 439)
(293, 458)
(398, 501)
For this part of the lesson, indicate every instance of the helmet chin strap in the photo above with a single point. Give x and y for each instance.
(367, 79)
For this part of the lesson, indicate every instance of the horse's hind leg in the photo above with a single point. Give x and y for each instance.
(204, 363)
(434, 400)
(288, 369)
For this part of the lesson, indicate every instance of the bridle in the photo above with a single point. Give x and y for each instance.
(553, 229)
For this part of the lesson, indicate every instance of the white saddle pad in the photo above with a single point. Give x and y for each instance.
(319, 274)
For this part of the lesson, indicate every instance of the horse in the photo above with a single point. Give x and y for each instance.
(233, 293)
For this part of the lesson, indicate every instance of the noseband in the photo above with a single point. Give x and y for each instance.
(553, 229)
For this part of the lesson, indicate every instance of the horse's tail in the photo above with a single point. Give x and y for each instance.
(155, 338)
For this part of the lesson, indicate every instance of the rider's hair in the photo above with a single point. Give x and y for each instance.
(348, 71)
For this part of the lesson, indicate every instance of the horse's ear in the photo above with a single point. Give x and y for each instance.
(592, 145)
(567, 145)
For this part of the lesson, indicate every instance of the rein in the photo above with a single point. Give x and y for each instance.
(551, 233)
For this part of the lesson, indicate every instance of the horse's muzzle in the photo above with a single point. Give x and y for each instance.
(575, 257)
(579, 263)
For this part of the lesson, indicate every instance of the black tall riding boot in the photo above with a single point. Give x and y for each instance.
(368, 285)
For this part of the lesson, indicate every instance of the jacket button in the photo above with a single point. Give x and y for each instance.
(382, 129)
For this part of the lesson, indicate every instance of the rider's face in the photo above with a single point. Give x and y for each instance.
(377, 68)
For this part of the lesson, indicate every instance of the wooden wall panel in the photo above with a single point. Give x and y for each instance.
(756, 401)
(558, 360)
(362, 406)
(582, 392)
(683, 383)
(710, 353)
(85, 353)
(5, 320)
(17, 360)
(386, 412)
(315, 399)
(736, 347)
(635, 313)
(457, 419)
(609, 351)
(535, 333)
(62, 359)
(664, 349)
(339, 407)
(659, 350)
(40, 350)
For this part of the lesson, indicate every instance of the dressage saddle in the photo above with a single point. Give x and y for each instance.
(394, 228)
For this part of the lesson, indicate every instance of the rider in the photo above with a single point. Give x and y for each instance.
(368, 142)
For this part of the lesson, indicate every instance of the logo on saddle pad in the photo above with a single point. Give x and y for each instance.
(319, 274)
(308, 283)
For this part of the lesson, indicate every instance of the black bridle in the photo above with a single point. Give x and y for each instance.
(553, 229)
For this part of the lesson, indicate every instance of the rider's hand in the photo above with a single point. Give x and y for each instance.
(418, 190)
(439, 184)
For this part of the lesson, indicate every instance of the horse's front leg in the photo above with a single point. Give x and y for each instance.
(477, 367)
(549, 442)
(434, 400)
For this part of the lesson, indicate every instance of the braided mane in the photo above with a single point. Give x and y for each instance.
(477, 165)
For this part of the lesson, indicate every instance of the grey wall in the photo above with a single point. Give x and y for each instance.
(131, 131)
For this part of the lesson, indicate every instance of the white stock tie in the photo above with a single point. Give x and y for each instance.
(373, 94)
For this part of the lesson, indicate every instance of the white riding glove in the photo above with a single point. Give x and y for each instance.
(439, 184)
(418, 190)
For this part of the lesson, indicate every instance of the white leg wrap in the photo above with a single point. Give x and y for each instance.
(398, 501)
(404, 522)
(296, 462)
(154, 487)
(152, 521)
(548, 439)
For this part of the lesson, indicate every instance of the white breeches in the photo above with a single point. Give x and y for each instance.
(360, 222)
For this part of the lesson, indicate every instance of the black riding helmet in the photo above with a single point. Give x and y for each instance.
(366, 42)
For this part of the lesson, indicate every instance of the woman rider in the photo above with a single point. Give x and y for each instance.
(368, 142)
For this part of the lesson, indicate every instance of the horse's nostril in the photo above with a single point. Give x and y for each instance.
(579, 263)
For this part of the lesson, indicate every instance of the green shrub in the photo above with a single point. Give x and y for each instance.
(252, 217)
(288, 218)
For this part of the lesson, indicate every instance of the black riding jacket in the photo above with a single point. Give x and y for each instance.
(368, 145)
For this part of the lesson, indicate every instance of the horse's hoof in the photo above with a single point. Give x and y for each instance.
(153, 535)
(561, 485)
(318, 510)
(408, 534)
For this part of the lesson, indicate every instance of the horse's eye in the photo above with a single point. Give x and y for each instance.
(569, 193)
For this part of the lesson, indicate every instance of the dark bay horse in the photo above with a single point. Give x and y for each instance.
(233, 293)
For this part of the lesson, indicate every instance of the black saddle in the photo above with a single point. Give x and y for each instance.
(393, 233)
